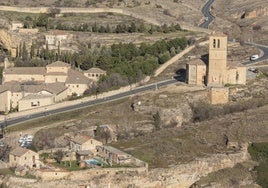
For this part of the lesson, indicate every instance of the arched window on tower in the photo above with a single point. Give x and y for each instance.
(219, 43)
(214, 43)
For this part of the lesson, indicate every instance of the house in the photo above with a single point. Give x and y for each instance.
(49, 84)
(56, 37)
(94, 73)
(14, 26)
(113, 155)
(84, 143)
(30, 95)
(24, 157)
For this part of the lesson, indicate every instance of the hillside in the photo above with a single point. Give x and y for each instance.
(244, 20)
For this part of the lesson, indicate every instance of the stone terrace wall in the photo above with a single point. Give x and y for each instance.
(185, 175)
(90, 173)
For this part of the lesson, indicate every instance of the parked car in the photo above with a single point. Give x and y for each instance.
(26, 144)
(29, 138)
(21, 139)
(254, 57)
(2, 144)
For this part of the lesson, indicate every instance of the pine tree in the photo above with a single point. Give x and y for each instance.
(24, 52)
(32, 51)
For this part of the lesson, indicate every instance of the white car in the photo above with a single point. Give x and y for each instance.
(254, 57)
(22, 139)
(29, 138)
(2, 144)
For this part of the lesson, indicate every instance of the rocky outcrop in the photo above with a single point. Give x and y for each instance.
(5, 40)
(257, 12)
(172, 111)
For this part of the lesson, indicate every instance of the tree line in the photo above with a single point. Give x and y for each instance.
(46, 21)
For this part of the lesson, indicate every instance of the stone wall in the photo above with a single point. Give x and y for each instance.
(89, 174)
(219, 95)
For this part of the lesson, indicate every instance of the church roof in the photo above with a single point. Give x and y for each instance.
(196, 62)
(19, 151)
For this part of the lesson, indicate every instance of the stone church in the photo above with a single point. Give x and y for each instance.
(218, 71)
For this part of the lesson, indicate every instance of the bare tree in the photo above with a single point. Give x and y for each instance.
(58, 155)
(53, 11)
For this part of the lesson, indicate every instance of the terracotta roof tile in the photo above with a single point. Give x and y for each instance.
(55, 88)
(95, 70)
(59, 64)
(81, 139)
(196, 62)
(19, 151)
(36, 96)
(58, 32)
(25, 70)
(75, 77)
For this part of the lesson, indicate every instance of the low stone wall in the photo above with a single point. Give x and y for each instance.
(185, 175)
(52, 150)
(52, 174)
(95, 173)
(89, 174)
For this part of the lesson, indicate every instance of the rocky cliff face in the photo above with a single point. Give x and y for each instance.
(250, 13)
(257, 12)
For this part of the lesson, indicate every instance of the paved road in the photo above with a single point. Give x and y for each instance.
(208, 16)
(263, 57)
(22, 119)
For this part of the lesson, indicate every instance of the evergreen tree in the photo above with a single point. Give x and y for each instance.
(108, 29)
(95, 28)
(24, 52)
(132, 28)
(32, 53)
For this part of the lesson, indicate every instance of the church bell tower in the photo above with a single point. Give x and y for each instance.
(217, 66)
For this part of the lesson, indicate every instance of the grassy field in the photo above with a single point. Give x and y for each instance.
(51, 119)
(6, 171)
(229, 177)
(259, 152)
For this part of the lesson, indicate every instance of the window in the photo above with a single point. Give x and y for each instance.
(91, 141)
(35, 104)
(219, 43)
(77, 85)
(25, 158)
(214, 43)
(93, 75)
(14, 158)
(97, 75)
